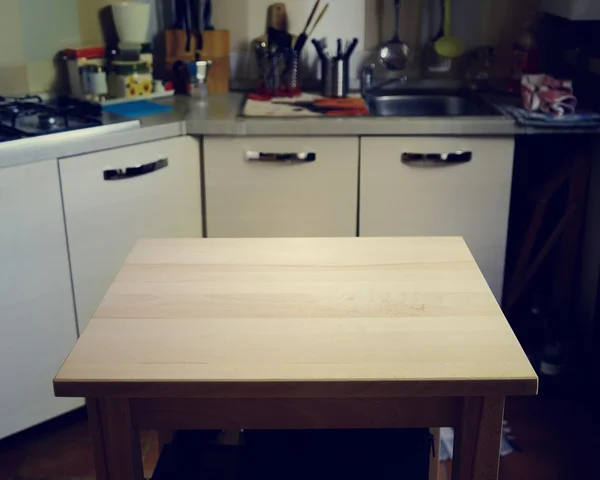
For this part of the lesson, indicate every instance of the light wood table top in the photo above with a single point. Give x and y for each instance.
(312, 317)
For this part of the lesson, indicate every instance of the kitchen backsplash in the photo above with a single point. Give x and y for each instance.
(33, 31)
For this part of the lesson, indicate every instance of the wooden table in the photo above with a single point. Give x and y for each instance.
(297, 333)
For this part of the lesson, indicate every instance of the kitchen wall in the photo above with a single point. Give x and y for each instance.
(33, 31)
(477, 22)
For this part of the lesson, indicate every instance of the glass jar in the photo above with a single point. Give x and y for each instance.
(129, 79)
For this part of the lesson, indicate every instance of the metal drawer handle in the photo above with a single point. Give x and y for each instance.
(436, 159)
(135, 171)
(300, 157)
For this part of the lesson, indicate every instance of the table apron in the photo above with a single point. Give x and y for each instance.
(294, 413)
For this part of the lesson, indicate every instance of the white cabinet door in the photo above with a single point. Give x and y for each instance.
(37, 321)
(402, 193)
(113, 198)
(253, 191)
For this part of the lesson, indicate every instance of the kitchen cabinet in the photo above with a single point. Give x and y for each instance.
(408, 189)
(113, 198)
(37, 320)
(281, 187)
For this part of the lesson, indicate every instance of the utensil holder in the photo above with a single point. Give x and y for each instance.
(335, 77)
(279, 72)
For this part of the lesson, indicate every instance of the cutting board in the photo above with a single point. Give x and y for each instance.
(306, 105)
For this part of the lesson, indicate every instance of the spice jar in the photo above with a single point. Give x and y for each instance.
(93, 80)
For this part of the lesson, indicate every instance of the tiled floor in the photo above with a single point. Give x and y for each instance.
(557, 436)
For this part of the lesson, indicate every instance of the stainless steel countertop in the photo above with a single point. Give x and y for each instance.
(219, 115)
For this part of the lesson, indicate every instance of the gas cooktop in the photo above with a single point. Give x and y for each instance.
(30, 116)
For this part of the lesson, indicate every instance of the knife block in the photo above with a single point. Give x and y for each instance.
(215, 48)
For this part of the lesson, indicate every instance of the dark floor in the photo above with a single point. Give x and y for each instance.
(557, 436)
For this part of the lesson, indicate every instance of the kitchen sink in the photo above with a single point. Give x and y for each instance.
(427, 104)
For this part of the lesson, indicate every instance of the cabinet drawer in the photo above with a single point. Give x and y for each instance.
(418, 186)
(115, 197)
(258, 187)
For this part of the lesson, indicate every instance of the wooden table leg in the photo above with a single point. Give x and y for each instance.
(117, 453)
(477, 439)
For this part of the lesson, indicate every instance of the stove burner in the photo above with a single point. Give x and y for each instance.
(30, 116)
(46, 121)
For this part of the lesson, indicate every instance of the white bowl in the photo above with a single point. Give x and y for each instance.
(132, 20)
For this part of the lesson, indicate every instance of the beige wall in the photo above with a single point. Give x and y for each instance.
(32, 32)
(475, 21)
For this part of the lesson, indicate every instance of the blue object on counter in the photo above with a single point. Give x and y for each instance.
(541, 119)
(141, 108)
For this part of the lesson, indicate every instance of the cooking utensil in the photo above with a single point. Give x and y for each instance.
(207, 15)
(318, 20)
(350, 48)
(179, 14)
(195, 22)
(320, 48)
(449, 46)
(183, 21)
(339, 48)
(301, 40)
(394, 54)
(432, 60)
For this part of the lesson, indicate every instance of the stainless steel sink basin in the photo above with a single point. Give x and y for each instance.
(418, 104)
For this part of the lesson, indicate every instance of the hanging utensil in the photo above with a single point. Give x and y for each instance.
(185, 4)
(301, 40)
(350, 49)
(181, 15)
(394, 54)
(449, 46)
(207, 15)
(432, 60)
(195, 23)
(319, 47)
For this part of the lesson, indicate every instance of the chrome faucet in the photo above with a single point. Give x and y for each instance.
(366, 80)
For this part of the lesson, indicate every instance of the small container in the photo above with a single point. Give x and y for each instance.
(335, 77)
(129, 79)
(199, 71)
(75, 59)
(94, 82)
